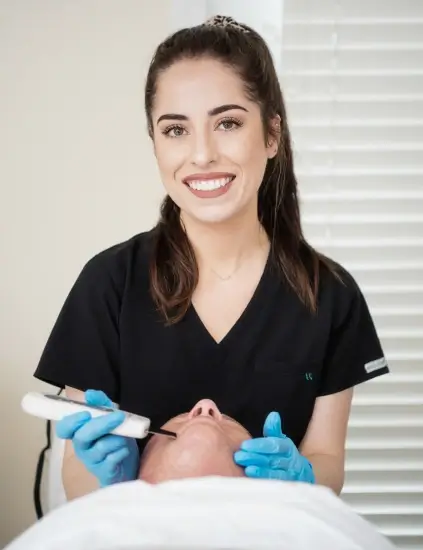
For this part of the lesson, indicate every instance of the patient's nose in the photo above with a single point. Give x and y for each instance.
(206, 407)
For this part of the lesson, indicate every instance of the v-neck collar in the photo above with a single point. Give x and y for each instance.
(245, 327)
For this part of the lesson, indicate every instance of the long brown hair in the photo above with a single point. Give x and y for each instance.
(173, 268)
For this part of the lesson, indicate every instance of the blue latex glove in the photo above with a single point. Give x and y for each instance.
(274, 456)
(110, 458)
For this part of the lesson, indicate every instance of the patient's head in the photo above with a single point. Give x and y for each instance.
(205, 444)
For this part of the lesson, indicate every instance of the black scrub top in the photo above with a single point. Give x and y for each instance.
(277, 357)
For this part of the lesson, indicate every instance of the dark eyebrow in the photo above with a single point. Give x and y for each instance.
(213, 112)
(223, 108)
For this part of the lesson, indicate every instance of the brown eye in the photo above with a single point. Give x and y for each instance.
(177, 131)
(173, 131)
(230, 124)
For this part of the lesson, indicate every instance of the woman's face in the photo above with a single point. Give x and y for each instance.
(209, 141)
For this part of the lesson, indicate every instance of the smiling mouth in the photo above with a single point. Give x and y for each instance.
(209, 185)
(212, 181)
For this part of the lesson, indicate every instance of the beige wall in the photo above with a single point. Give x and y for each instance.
(77, 174)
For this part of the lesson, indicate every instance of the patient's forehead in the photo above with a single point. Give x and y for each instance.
(192, 433)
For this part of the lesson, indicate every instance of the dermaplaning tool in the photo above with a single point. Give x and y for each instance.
(55, 407)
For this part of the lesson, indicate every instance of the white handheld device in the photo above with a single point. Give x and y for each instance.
(55, 407)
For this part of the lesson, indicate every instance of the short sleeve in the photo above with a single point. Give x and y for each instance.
(354, 353)
(82, 350)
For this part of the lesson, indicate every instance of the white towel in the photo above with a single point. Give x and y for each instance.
(204, 514)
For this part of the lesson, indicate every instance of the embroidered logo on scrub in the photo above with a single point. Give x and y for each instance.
(309, 376)
(375, 365)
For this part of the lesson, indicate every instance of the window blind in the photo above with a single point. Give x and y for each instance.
(352, 75)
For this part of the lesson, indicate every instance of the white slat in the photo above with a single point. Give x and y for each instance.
(352, 76)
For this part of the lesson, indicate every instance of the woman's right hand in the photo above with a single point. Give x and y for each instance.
(110, 458)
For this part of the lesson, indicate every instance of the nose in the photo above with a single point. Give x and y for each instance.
(206, 407)
(204, 151)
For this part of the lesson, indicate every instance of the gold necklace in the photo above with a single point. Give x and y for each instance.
(228, 277)
(222, 278)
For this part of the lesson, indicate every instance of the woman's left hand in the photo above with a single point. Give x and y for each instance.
(274, 456)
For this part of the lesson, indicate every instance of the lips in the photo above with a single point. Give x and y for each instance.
(209, 182)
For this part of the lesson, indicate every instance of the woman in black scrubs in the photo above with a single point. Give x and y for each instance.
(223, 298)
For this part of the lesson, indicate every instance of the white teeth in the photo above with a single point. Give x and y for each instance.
(209, 185)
